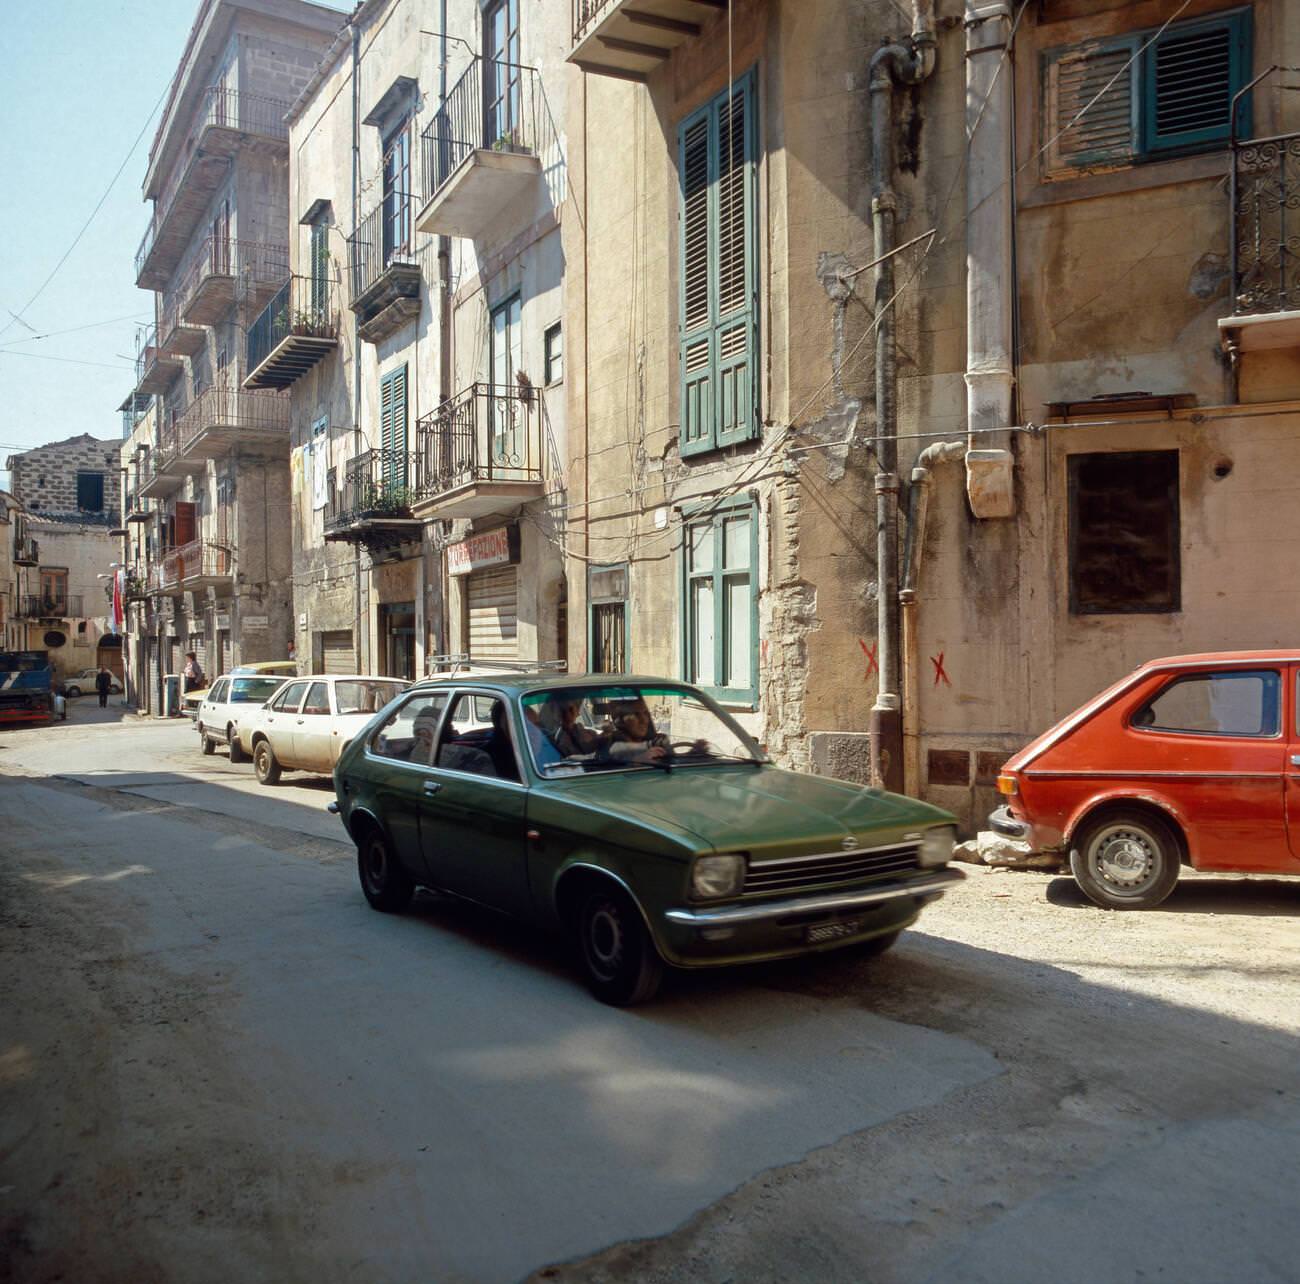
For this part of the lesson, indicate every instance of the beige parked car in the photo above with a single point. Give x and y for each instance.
(309, 722)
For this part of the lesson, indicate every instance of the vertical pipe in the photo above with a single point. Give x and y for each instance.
(362, 634)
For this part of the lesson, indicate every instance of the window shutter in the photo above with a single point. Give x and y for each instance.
(1191, 74)
(1080, 131)
(697, 334)
(319, 268)
(719, 271)
(734, 332)
(392, 425)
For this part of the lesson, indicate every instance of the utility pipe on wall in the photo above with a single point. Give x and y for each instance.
(918, 507)
(892, 65)
(990, 280)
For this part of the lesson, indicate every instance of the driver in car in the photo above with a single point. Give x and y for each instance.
(634, 738)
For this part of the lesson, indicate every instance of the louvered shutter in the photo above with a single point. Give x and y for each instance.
(1190, 74)
(1091, 108)
(392, 426)
(697, 312)
(719, 271)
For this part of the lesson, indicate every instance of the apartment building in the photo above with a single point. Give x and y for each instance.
(927, 373)
(61, 516)
(213, 458)
(420, 338)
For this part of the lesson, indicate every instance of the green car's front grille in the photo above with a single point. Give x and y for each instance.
(798, 873)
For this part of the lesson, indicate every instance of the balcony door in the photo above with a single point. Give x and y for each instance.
(505, 410)
(501, 72)
(397, 192)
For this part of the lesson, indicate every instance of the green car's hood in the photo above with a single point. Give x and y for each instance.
(761, 810)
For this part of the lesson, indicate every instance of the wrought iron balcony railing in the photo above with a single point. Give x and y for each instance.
(224, 116)
(487, 433)
(585, 12)
(1266, 224)
(495, 106)
(383, 239)
(230, 414)
(49, 606)
(295, 330)
(197, 560)
(377, 486)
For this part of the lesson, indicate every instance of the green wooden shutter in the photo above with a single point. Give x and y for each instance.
(1190, 74)
(719, 271)
(392, 425)
(695, 144)
(319, 268)
(1090, 105)
(735, 296)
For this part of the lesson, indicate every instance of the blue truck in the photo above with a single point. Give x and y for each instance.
(27, 688)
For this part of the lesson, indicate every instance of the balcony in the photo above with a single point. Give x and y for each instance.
(27, 551)
(136, 507)
(373, 504)
(194, 567)
(480, 453)
(629, 39)
(1265, 246)
(49, 606)
(298, 328)
(226, 121)
(156, 482)
(219, 419)
(155, 368)
(480, 152)
(385, 273)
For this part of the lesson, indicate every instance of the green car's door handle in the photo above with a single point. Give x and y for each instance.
(432, 786)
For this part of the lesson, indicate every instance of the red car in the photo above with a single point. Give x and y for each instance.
(1192, 760)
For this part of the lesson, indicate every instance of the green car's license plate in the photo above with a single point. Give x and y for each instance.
(831, 931)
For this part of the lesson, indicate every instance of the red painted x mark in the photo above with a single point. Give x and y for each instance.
(940, 674)
(870, 653)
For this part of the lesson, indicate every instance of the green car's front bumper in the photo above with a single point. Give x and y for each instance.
(749, 931)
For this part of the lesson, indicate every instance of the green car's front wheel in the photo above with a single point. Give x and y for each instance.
(619, 958)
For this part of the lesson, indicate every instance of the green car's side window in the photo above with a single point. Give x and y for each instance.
(410, 732)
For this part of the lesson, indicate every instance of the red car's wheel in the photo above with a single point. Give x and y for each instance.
(1125, 860)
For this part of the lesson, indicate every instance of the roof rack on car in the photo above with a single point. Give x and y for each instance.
(450, 665)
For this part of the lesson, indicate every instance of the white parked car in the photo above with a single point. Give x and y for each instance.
(223, 703)
(76, 684)
(309, 722)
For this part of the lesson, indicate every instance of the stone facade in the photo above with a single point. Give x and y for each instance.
(44, 479)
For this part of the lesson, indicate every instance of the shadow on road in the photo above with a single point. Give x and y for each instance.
(1258, 896)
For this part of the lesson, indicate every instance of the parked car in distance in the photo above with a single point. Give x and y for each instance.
(309, 721)
(83, 683)
(1190, 760)
(190, 700)
(635, 815)
(230, 696)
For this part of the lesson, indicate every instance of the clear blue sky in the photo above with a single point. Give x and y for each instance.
(78, 80)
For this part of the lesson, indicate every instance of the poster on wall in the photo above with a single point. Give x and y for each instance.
(497, 547)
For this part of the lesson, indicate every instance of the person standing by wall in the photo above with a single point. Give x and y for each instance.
(103, 684)
(192, 675)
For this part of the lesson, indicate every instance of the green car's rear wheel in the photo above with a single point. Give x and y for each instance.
(620, 960)
(387, 886)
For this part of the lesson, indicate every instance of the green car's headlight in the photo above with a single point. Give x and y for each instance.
(715, 876)
(937, 844)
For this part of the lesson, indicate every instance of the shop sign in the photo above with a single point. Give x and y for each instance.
(497, 547)
(254, 622)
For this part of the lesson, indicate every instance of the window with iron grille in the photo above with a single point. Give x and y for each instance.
(717, 151)
(1145, 96)
(1124, 532)
(607, 611)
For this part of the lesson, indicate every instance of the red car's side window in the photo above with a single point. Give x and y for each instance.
(1231, 703)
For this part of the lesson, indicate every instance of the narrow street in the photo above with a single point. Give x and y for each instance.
(218, 1063)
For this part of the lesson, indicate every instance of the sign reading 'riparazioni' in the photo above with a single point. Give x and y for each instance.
(491, 548)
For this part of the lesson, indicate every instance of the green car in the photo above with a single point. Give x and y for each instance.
(635, 815)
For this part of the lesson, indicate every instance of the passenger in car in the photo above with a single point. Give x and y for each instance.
(499, 747)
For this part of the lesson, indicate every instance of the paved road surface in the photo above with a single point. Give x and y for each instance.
(217, 1063)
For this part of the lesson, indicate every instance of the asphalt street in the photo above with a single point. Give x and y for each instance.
(216, 1062)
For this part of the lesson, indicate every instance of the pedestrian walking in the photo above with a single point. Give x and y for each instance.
(192, 674)
(103, 684)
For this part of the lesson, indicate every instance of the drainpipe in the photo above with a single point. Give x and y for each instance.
(362, 634)
(892, 65)
(918, 505)
(990, 376)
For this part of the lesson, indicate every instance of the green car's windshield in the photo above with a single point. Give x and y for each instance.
(253, 690)
(629, 726)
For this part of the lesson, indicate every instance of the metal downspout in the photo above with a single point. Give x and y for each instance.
(892, 65)
(360, 617)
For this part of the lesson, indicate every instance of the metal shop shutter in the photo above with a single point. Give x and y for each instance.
(155, 678)
(337, 654)
(493, 614)
(222, 655)
(199, 645)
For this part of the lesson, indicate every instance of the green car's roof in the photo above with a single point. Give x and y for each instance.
(522, 683)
